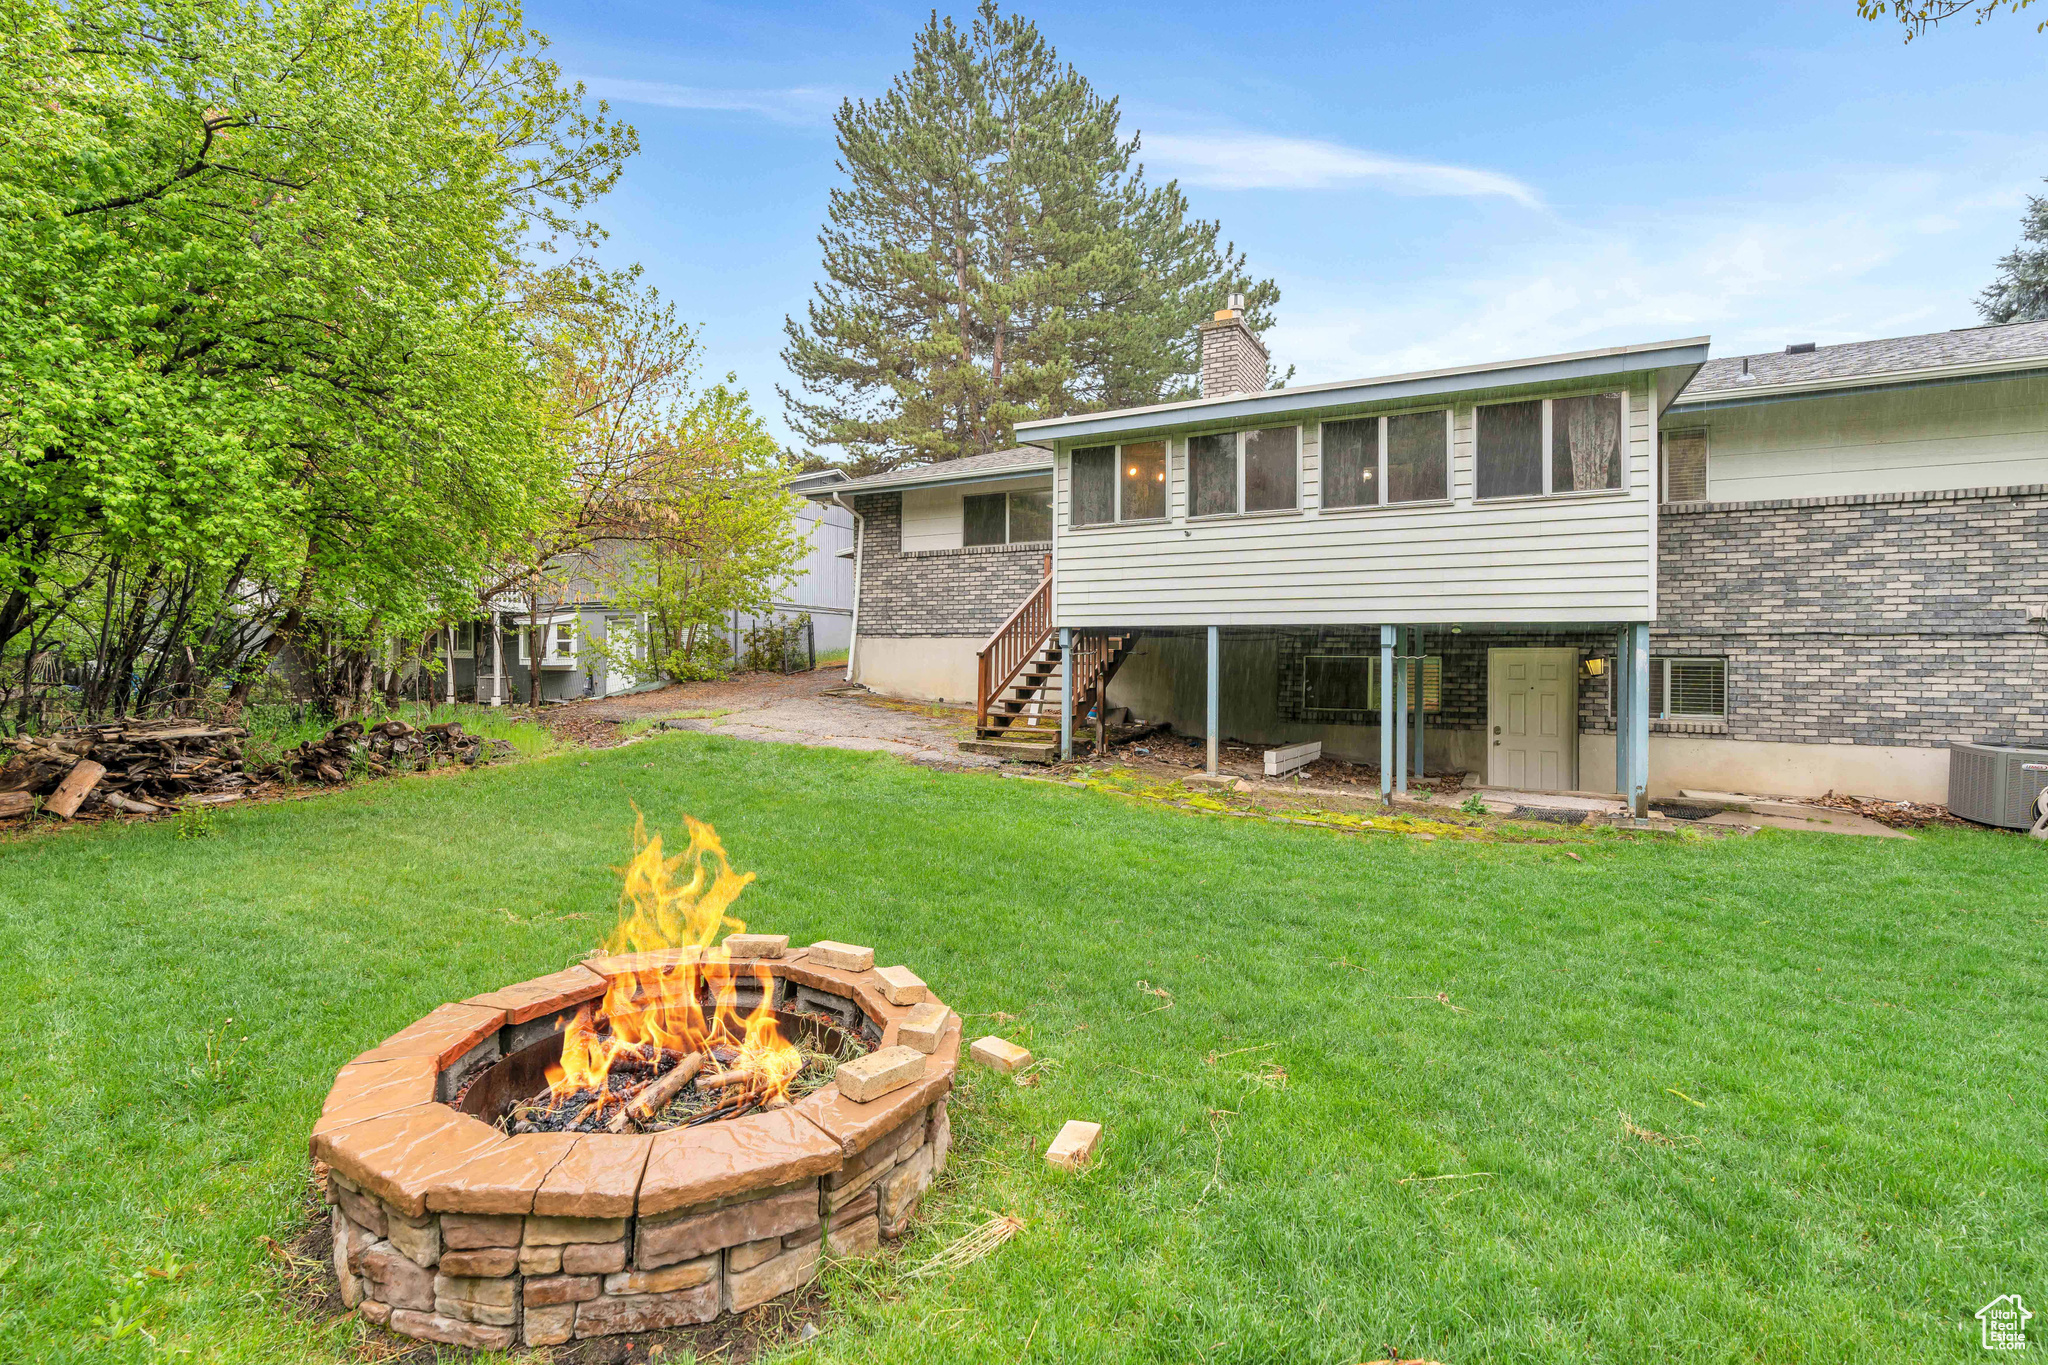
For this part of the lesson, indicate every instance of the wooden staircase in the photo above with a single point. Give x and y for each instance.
(1018, 706)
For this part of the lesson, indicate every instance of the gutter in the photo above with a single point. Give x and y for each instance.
(860, 535)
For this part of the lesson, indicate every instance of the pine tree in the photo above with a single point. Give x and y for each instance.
(2020, 293)
(996, 255)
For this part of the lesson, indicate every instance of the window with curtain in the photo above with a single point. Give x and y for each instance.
(1142, 467)
(1270, 470)
(1212, 474)
(1030, 517)
(1418, 457)
(1351, 463)
(1585, 443)
(1093, 475)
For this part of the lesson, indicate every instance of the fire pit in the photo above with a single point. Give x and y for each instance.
(671, 1131)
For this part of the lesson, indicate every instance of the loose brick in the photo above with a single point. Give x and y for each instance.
(900, 985)
(1002, 1055)
(879, 1073)
(1074, 1147)
(751, 946)
(846, 957)
(924, 1027)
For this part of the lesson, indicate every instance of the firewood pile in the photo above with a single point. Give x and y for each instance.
(137, 767)
(392, 746)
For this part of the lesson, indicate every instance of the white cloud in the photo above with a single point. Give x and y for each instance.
(796, 105)
(1263, 161)
(1859, 258)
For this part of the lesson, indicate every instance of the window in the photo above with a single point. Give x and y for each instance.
(1093, 478)
(1141, 491)
(1550, 445)
(1252, 471)
(1685, 466)
(465, 641)
(1116, 483)
(1683, 688)
(1350, 682)
(1415, 468)
(1005, 518)
(564, 647)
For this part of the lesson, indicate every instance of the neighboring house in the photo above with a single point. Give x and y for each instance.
(575, 612)
(1633, 569)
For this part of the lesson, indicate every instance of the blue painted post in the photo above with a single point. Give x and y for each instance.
(1421, 669)
(1401, 713)
(1387, 721)
(1639, 721)
(1215, 720)
(1618, 680)
(1066, 693)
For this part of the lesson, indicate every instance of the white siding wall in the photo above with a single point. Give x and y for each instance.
(932, 516)
(1574, 558)
(1905, 441)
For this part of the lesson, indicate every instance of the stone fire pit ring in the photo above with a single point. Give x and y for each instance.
(448, 1230)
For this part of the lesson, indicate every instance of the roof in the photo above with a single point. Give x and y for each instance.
(1959, 354)
(1685, 354)
(997, 464)
(815, 478)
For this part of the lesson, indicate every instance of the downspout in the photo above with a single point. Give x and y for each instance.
(859, 539)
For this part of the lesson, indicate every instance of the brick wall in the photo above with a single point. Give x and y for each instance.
(1892, 619)
(936, 592)
(1462, 690)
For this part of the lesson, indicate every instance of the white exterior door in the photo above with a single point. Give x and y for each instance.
(618, 677)
(1532, 718)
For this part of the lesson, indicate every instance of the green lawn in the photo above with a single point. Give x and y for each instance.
(1251, 1010)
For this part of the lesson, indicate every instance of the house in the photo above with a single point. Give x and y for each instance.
(1636, 569)
(574, 611)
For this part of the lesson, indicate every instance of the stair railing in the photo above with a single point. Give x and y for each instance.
(1012, 646)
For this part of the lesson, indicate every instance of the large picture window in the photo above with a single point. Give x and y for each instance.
(1374, 461)
(1116, 483)
(1550, 445)
(1244, 471)
(1005, 518)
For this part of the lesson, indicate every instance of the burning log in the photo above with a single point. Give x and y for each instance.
(656, 1097)
(719, 1079)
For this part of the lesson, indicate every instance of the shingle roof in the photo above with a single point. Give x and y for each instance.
(995, 464)
(1991, 347)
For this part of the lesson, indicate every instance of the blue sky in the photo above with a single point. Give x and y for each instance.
(1429, 184)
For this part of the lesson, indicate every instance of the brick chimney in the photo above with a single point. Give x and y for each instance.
(1233, 360)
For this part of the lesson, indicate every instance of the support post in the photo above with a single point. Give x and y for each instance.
(1387, 721)
(1638, 790)
(1066, 693)
(497, 660)
(1215, 719)
(1401, 711)
(451, 664)
(1617, 681)
(1101, 704)
(1421, 669)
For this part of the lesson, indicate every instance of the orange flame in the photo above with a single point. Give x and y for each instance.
(670, 910)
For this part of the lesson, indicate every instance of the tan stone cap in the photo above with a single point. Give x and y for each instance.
(689, 1166)
(400, 1157)
(543, 994)
(445, 1034)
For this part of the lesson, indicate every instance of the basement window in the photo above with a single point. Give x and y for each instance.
(1005, 518)
(1378, 461)
(1684, 687)
(1550, 445)
(1350, 682)
(1250, 471)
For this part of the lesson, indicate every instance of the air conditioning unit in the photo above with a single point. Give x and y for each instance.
(1989, 783)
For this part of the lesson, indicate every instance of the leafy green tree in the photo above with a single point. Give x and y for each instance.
(1917, 16)
(714, 533)
(2020, 293)
(253, 311)
(995, 255)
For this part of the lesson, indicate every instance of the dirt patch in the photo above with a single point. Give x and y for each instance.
(598, 723)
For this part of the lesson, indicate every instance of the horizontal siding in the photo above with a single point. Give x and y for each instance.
(1531, 561)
